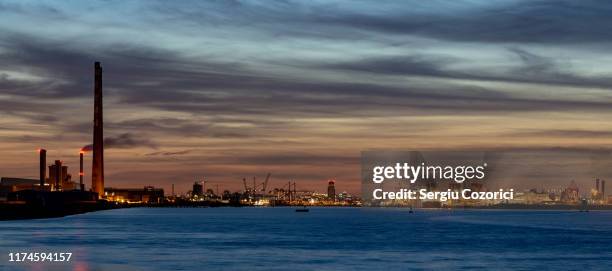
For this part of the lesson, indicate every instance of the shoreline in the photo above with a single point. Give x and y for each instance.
(12, 211)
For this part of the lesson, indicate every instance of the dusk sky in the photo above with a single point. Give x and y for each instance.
(229, 89)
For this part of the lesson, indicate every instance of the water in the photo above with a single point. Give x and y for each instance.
(323, 239)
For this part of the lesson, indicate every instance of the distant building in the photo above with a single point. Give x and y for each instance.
(148, 194)
(535, 197)
(571, 193)
(198, 189)
(599, 194)
(65, 178)
(331, 190)
(345, 196)
(8, 185)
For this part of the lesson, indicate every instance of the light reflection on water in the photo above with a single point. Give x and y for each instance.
(323, 239)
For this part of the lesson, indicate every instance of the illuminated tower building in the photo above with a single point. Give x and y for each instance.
(198, 189)
(97, 170)
(331, 190)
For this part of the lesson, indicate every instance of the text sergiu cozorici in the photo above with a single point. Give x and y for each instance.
(459, 174)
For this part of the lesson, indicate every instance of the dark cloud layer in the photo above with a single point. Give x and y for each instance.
(541, 21)
(513, 21)
(163, 81)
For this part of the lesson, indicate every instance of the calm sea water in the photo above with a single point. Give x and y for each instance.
(323, 239)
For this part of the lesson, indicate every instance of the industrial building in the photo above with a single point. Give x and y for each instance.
(8, 185)
(331, 190)
(148, 194)
(198, 190)
(59, 178)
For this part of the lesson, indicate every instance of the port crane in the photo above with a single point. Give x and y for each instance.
(257, 187)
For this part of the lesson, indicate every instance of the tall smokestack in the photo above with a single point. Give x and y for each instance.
(43, 167)
(97, 170)
(81, 174)
(597, 184)
(603, 189)
(58, 175)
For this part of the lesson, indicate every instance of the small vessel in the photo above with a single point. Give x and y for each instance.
(302, 210)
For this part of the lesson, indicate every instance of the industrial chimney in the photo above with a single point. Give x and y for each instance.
(97, 171)
(43, 167)
(58, 175)
(81, 174)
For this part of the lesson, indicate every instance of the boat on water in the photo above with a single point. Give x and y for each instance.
(302, 210)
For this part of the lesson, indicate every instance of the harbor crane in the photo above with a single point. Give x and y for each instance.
(257, 187)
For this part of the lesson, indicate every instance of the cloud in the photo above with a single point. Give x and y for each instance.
(169, 153)
(124, 141)
(298, 159)
(547, 22)
(533, 69)
(418, 65)
(518, 21)
(570, 133)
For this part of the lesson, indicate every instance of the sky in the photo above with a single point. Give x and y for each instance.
(221, 90)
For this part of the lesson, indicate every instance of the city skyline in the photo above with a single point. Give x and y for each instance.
(301, 89)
